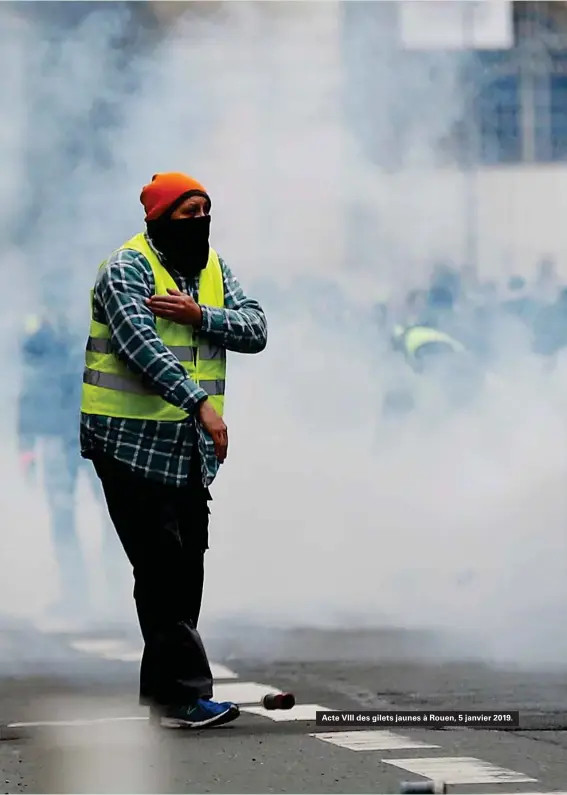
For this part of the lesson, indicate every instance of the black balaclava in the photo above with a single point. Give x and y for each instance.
(182, 242)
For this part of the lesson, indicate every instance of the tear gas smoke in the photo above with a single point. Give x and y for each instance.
(290, 114)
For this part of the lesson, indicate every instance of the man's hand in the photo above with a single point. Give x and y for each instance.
(214, 425)
(177, 307)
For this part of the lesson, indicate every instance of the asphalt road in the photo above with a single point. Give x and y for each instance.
(111, 747)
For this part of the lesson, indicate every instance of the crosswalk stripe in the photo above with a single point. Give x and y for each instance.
(100, 646)
(222, 672)
(459, 770)
(371, 740)
(299, 712)
(242, 692)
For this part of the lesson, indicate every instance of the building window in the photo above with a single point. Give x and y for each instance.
(499, 120)
(542, 21)
(558, 116)
(550, 108)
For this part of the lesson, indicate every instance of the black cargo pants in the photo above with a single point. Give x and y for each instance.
(164, 531)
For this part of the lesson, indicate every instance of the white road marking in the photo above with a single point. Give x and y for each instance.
(126, 651)
(78, 722)
(459, 770)
(299, 712)
(371, 740)
(100, 646)
(242, 692)
(222, 672)
(123, 656)
(110, 649)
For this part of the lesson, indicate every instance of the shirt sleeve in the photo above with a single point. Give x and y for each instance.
(241, 325)
(123, 285)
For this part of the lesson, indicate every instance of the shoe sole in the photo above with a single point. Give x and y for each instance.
(217, 720)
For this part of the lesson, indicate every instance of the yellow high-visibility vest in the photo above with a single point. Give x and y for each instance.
(111, 389)
(415, 337)
(32, 324)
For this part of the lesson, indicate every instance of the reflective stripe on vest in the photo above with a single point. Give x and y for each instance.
(183, 352)
(122, 383)
(111, 389)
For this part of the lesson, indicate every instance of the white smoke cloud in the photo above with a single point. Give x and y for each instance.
(321, 516)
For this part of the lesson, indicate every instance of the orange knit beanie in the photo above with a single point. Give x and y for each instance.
(164, 190)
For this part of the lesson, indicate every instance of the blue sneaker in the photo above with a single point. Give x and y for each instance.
(202, 714)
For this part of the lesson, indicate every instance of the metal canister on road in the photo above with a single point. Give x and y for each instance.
(278, 701)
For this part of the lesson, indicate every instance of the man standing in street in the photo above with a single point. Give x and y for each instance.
(165, 309)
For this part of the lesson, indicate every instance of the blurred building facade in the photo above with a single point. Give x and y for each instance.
(471, 145)
(495, 189)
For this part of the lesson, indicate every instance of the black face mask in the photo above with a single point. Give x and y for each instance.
(183, 242)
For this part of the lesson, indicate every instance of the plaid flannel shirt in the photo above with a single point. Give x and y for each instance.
(162, 451)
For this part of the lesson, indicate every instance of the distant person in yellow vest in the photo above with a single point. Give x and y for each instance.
(424, 346)
(436, 359)
(165, 309)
